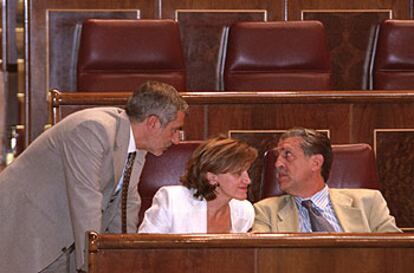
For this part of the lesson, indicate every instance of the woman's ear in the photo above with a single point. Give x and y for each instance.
(212, 178)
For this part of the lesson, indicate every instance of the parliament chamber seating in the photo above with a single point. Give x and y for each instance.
(122, 54)
(393, 149)
(353, 166)
(394, 56)
(285, 55)
(163, 170)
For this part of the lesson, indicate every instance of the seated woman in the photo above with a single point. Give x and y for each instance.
(212, 197)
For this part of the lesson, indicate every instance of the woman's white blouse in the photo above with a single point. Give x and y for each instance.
(175, 210)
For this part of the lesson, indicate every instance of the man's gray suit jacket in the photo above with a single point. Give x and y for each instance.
(61, 186)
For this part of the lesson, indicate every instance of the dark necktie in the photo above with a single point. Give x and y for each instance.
(318, 222)
(125, 185)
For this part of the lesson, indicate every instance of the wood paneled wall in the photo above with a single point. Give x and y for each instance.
(51, 37)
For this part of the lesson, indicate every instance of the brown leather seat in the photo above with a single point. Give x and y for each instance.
(163, 170)
(288, 55)
(394, 56)
(121, 54)
(353, 166)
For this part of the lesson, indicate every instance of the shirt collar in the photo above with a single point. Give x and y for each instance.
(132, 146)
(319, 199)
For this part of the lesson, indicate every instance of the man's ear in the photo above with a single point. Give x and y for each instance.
(152, 122)
(317, 162)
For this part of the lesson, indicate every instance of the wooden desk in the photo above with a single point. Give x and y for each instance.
(251, 253)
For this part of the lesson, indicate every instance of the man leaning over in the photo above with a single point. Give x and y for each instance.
(68, 180)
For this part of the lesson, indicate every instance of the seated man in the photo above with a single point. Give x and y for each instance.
(303, 165)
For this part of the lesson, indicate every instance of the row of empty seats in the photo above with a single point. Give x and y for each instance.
(261, 56)
(353, 167)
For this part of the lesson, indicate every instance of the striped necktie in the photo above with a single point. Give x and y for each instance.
(318, 222)
(125, 185)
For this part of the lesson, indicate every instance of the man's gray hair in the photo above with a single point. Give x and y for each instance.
(313, 143)
(154, 98)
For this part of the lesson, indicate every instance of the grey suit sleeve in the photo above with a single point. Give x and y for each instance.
(380, 219)
(83, 152)
(262, 221)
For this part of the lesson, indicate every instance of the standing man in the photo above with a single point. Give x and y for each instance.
(69, 180)
(303, 165)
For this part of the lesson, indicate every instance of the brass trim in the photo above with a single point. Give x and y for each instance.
(177, 11)
(388, 130)
(229, 132)
(389, 11)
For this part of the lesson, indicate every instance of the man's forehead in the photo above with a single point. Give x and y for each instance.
(179, 120)
(290, 142)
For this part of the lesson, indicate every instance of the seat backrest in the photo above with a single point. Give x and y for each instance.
(163, 170)
(122, 54)
(353, 166)
(394, 56)
(285, 55)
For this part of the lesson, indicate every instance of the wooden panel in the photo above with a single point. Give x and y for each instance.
(368, 117)
(178, 260)
(36, 50)
(280, 116)
(195, 126)
(350, 37)
(339, 260)
(401, 9)
(350, 116)
(202, 32)
(350, 32)
(63, 30)
(395, 156)
(254, 253)
(274, 8)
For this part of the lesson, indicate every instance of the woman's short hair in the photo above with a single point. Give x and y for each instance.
(158, 99)
(218, 155)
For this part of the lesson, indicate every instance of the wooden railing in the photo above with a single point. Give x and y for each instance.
(251, 253)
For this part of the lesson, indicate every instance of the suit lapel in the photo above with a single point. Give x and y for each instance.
(119, 156)
(350, 218)
(288, 219)
(120, 146)
(138, 166)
